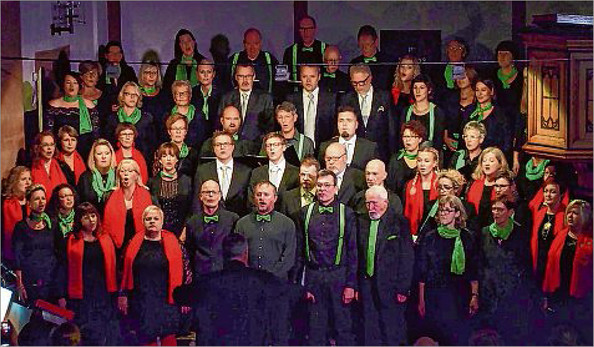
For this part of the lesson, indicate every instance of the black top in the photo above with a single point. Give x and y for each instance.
(146, 140)
(383, 75)
(500, 130)
(510, 98)
(484, 212)
(175, 199)
(340, 83)
(129, 229)
(566, 265)
(264, 72)
(86, 193)
(545, 239)
(469, 165)
(439, 124)
(159, 106)
(56, 117)
(187, 166)
(171, 71)
(398, 174)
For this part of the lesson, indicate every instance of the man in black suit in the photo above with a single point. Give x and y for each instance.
(386, 259)
(315, 107)
(255, 106)
(293, 200)
(372, 107)
(231, 122)
(236, 306)
(283, 175)
(233, 177)
(207, 228)
(383, 73)
(333, 79)
(375, 175)
(298, 145)
(206, 97)
(350, 180)
(359, 150)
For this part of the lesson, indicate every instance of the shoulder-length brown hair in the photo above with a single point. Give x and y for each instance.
(82, 210)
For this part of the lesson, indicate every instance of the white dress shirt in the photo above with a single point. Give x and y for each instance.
(309, 116)
(350, 147)
(339, 177)
(276, 172)
(366, 107)
(224, 173)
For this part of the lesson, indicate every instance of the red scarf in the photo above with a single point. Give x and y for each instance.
(79, 164)
(414, 204)
(537, 219)
(138, 158)
(55, 177)
(538, 199)
(174, 258)
(581, 274)
(395, 95)
(475, 193)
(114, 221)
(12, 213)
(75, 251)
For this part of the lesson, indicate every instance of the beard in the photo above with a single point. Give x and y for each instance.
(344, 135)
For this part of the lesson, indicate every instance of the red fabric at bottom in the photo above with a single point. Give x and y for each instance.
(168, 340)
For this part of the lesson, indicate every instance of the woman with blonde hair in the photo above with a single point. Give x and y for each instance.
(14, 207)
(129, 111)
(421, 189)
(480, 193)
(124, 208)
(408, 67)
(99, 180)
(448, 272)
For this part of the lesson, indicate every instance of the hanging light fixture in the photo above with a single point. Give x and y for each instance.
(64, 15)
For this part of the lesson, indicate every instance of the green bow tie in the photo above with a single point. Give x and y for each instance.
(307, 49)
(329, 75)
(211, 219)
(265, 217)
(328, 209)
(236, 137)
(370, 59)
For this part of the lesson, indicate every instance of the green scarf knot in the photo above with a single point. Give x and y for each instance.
(535, 173)
(133, 118)
(65, 222)
(505, 77)
(448, 74)
(404, 153)
(41, 217)
(479, 113)
(84, 117)
(98, 186)
(501, 232)
(189, 115)
(183, 151)
(182, 74)
(458, 256)
(148, 90)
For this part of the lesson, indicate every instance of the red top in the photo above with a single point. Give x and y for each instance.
(537, 219)
(114, 220)
(475, 193)
(414, 204)
(55, 177)
(79, 164)
(12, 213)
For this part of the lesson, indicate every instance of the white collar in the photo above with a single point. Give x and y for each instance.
(315, 92)
(352, 141)
(220, 164)
(281, 164)
(369, 93)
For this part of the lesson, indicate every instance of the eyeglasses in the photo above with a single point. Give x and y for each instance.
(126, 134)
(150, 73)
(324, 185)
(334, 158)
(181, 94)
(130, 94)
(446, 210)
(444, 187)
(360, 83)
(499, 186)
(243, 77)
(410, 137)
(177, 129)
(274, 145)
(306, 28)
(223, 144)
(209, 192)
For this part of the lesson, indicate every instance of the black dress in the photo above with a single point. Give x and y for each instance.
(56, 117)
(175, 199)
(484, 212)
(95, 313)
(159, 106)
(150, 311)
(188, 165)
(36, 255)
(447, 295)
(146, 140)
(500, 130)
(545, 239)
(398, 174)
(86, 193)
(439, 125)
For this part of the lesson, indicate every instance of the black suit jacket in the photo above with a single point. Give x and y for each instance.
(291, 204)
(325, 115)
(259, 117)
(236, 196)
(289, 181)
(353, 182)
(394, 255)
(365, 150)
(383, 75)
(379, 122)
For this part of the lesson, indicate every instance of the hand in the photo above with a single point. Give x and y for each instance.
(182, 236)
(421, 308)
(450, 143)
(62, 302)
(401, 299)
(114, 108)
(185, 309)
(22, 292)
(310, 297)
(123, 304)
(473, 306)
(348, 295)
(516, 166)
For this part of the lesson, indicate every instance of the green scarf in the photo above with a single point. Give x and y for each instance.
(478, 113)
(502, 232)
(189, 115)
(98, 186)
(534, 173)
(182, 74)
(133, 118)
(458, 256)
(84, 116)
(205, 103)
(461, 160)
(448, 73)
(41, 217)
(184, 150)
(505, 77)
(164, 174)
(148, 90)
(65, 223)
(373, 230)
(404, 153)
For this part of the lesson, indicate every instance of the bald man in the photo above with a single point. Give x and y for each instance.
(349, 180)
(333, 79)
(375, 175)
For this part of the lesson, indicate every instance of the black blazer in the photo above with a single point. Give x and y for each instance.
(379, 122)
(236, 196)
(291, 204)
(394, 255)
(213, 107)
(259, 117)
(325, 115)
(289, 181)
(365, 150)
(353, 182)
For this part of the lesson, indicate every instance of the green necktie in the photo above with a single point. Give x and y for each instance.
(211, 219)
(265, 217)
(373, 230)
(307, 49)
(370, 59)
(328, 209)
(308, 196)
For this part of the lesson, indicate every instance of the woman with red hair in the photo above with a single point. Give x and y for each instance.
(46, 170)
(152, 270)
(91, 278)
